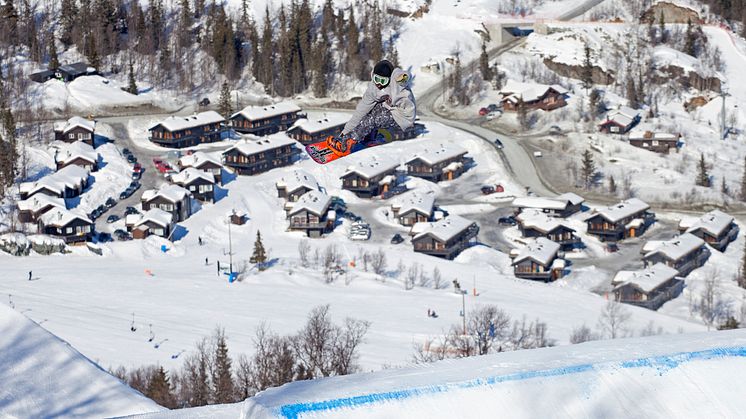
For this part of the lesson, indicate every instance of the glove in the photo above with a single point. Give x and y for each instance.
(385, 99)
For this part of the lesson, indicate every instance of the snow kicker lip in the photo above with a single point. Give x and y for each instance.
(662, 363)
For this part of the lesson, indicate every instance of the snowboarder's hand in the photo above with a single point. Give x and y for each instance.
(385, 99)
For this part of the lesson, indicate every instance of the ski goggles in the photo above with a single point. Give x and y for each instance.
(381, 80)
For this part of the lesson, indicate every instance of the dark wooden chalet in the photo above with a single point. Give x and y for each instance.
(76, 129)
(516, 96)
(187, 131)
(68, 182)
(649, 288)
(200, 184)
(204, 162)
(295, 184)
(68, 72)
(265, 120)
(561, 206)
(370, 177)
(154, 221)
(413, 208)
(311, 214)
(259, 155)
(538, 260)
(533, 223)
(619, 121)
(78, 154)
(446, 162)
(716, 228)
(170, 198)
(69, 225)
(445, 238)
(684, 253)
(627, 219)
(659, 142)
(307, 131)
(31, 209)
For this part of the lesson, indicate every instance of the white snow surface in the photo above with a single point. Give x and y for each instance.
(682, 376)
(43, 376)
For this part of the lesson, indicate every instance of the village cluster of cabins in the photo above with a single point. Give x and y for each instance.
(517, 96)
(542, 220)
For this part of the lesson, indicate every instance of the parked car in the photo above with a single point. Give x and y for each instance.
(94, 214)
(122, 235)
(487, 189)
(338, 205)
(131, 158)
(204, 102)
(113, 218)
(110, 202)
(134, 185)
(136, 175)
(130, 211)
(359, 231)
(397, 239)
(498, 143)
(491, 116)
(537, 154)
(137, 167)
(102, 237)
(493, 107)
(126, 151)
(157, 161)
(483, 111)
(611, 247)
(509, 220)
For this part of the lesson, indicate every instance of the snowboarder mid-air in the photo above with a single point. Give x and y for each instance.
(388, 103)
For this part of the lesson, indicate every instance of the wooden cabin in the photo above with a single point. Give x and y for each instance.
(308, 131)
(68, 182)
(684, 253)
(76, 129)
(371, 176)
(619, 121)
(79, 154)
(295, 184)
(31, 209)
(538, 260)
(630, 218)
(200, 184)
(154, 221)
(445, 238)
(716, 228)
(413, 208)
(659, 142)
(561, 206)
(446, 162)
(532, 96)
(257, 155)
(311, 214)
(170, 198)
(265, 120)
(188, 131)
(533, 223)
(204, 162)
(649, 288)
(70, 225)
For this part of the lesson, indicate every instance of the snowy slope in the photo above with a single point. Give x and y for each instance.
(678, 376)
(42, 376)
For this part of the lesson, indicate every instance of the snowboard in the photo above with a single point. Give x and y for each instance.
(321, 153)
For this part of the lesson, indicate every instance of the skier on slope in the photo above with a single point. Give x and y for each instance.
(387, 103)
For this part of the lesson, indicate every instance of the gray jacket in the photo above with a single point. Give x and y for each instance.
(401, 105)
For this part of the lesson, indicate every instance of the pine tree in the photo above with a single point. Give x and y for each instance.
(376, 35)
(92, 52)
(690, 45)
(260, 255)
(132, 86)
(393, 52)
(159, 389)
(724, 187)
(54, 61)
(522, 116)
(588, 168)
(703, 178)
(222, 377)
(742, 194)
(587, 75)
(67, 19)
(352, 58)
(631, 92)
(612, 185)
(224, 106)
(265, 70)
(730, 323)
(484, 63)
(662, 27)
(741, 277)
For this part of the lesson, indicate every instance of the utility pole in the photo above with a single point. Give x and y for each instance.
(463, 309)
(723, 129)
(230, 248)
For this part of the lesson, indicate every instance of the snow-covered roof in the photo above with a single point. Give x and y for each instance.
(197, 159)
(190, 174)
(573, 199)
(314, 201)
(253, 113)
(438, 154)
(539, 203)
(537, 220)
(623, 115)
(178, 123)
(157, 216)
(647, 279)
(641, 134)
(443, 230)
(60, 217)
(297, 179)
(69, 176)
(714, 223)
(75, 122)
(676, 248)
(253, 144)
(71, 151)
(540, 249)
(314, 125)
(39, 201)
(172, 193)
(623, 209)
(528, 92)
(372, 166)
(414, 201)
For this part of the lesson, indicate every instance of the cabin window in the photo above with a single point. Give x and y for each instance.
(613, 128)
(192, 188)
(71, 136)
(68, 230)
(158, 232)
(205, 188)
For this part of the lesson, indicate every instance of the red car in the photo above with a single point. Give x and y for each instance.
(483, 111)
(137, 167)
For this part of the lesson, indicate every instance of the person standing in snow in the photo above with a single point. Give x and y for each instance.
(387, 103)
(29, 275)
